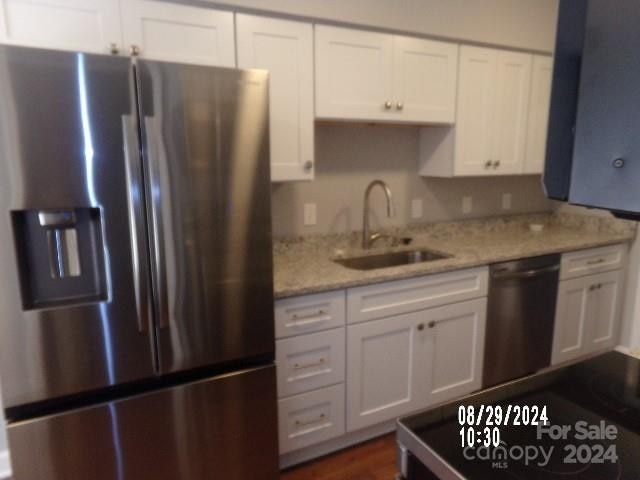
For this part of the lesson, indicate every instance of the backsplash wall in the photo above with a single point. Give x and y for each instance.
(349, 156)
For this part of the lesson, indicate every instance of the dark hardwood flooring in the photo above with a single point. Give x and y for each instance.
(373, 460)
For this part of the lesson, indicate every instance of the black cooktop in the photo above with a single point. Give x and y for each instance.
(593, 429)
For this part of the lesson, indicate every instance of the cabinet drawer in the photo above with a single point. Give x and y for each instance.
(311, 418)
(310, 361)
(404, 296)
(595, 260)
(310, 313)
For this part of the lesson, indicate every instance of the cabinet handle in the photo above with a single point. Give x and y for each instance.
(301, 423)
(420, 326)
(134, 50)
(595, 262)
(308, 165)
(302, 366)
(388, 105)
(113, 48)
(496, 164)
(399, 106)
(319, 313)
(432, 323)
(488, 164)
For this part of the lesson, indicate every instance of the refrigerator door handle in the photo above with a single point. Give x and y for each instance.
(155, 155)
(136, 218)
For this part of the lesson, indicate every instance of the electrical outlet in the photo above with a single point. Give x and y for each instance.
(506, 201)
(310, 211)
(416, 208)
(467, 204)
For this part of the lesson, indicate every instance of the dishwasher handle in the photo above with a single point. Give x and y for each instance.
(525, 273)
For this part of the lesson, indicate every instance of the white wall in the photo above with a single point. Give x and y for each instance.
(528, 24)
(348, 157)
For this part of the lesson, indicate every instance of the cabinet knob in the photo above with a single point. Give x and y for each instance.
(496, 164)
(308, 165)
(488, 164)
(432, 324)
(421, 326)
(134, 50)
(592, 288)
(388, 105)
(618, 163)
(399, 106)
(113, 48)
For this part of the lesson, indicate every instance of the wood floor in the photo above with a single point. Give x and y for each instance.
(373, 460)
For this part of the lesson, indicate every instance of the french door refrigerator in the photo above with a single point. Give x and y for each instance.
(136, 299)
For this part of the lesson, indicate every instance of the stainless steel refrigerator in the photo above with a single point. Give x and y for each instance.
(136, 299)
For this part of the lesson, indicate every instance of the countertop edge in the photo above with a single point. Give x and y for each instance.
(431, 270)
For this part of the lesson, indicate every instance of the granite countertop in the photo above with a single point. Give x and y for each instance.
(304, 265)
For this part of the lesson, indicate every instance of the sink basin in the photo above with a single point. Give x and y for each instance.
(385, 260)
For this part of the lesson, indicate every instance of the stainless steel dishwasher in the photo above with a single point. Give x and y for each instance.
(520, 317)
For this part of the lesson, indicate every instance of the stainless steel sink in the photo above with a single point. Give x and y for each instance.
(385, 260)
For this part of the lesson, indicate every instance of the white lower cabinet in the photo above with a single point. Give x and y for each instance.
(310, 418)
(587, 314)
(403, 363)
(310, 361)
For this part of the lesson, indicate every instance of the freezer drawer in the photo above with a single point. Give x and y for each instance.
(219, 428)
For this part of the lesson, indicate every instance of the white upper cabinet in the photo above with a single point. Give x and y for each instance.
(285, 48)
(370, 76)
(540, 99)
(354, 74)
(91, 26)
(490, 134)
(512, 104)
(178, 33)
(474, 130)
(424, 80)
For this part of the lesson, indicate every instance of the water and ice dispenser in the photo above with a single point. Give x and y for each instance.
(60, 256)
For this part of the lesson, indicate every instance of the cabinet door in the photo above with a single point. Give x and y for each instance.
(425, 79)
(606, 301)
(354, 71)
(284, 48)
(573, 318)
(385, 369)
(456, 349)
(538, 114)
(474, 118)
(79, 25)
(179, 33)
(512, 102)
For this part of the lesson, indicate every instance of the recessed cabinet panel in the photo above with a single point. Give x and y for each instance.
(456, 349)
(179, 33)
(425, 80)
(587, 315)
(384, 379)
(353, 74)
(285, 48)
(475, 117)
(310, 361)
(538, 114)
(78, 25)
(510, 129)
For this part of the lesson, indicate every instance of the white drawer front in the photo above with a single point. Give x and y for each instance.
(310, 361)
(310, 313)
(311, 418)
(594, 260)
(404, 296)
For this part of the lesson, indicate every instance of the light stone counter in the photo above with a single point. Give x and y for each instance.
(304, 265)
